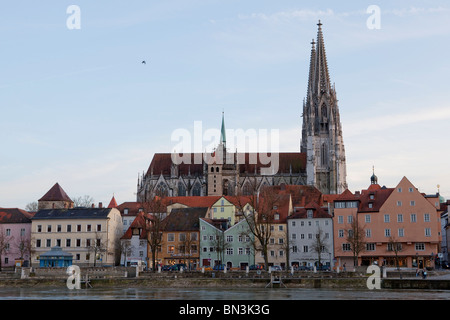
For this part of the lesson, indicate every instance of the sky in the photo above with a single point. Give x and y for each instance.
(78, 106)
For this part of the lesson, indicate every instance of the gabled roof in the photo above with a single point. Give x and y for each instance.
(347, 195)
(14, 215)
(301, 195)
(379, 196)
(184, 219)
(192, 201)
(133, 207)
(139, 223)
(318, 212)
(56, 193)
(75, 213)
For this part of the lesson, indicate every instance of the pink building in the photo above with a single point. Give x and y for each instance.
(396, 224)
(15, 232)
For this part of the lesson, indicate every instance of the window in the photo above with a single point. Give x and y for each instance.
(229, 238)
(400, 218)
(49, 228)
(78, 243)
(99, 227)
(294, 236)
(88, 243)
(229, 251)
(69, 228)
(427, 232)
(346, 247)
(399, 203)
(413, 217)
(171, 237)
(182, 237)
(88, 228)
(370, 246)
(68, 243)
(58, 242)
(349, 219)
(22, 232)
(309, 213)
(368, 233)
(305, 248)
(426, 217)
(38, 243)
(170, 249)
(78, 227)
(412, 203)
(410, 189)
(370, 205)
(401, 232)
(293, 223)
(387, 232)
(48, 243)
(294, 249)
(340, 233)
(399, 189)
(367, 218)
(39, 228)
(58, 228)
(340, 219)
(387, 218)
(420, 246)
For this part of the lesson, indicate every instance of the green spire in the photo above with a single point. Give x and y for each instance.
(223, 137)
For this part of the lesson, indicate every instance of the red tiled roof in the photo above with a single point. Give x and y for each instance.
(138, 222)
(56, 193)
(347, 195)
(14, 215)
(318, 212)
(112, 203)
(301, 195)
(248, 162)
(379, 194)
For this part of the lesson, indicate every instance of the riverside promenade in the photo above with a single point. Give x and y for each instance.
(97, 277)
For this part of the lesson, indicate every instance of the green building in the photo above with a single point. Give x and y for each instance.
(223, 243)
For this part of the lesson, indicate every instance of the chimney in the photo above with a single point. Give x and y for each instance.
(100, 205)
(93, 206)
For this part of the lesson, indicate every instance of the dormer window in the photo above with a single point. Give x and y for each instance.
(309, 213)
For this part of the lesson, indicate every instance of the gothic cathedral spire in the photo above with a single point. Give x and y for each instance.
(322, 139)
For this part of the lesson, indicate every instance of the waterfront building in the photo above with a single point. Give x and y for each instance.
(181, 236)
(396, 226)
(223, 243)
(15, 229)
(56, 257)
(91, 235)
(134, 246)
(311, 237)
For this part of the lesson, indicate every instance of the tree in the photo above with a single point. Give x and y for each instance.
(32, 207)
(319, 244)
(257, 208)
(97, 247)
(5, 241)
(356, 236)
(85, 201)
(220, 245)
(154, 213)
(395, 246)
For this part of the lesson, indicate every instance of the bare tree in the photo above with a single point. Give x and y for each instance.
(154, 213)
(220, 245)
(356, 238)
(125, 248)
(319, 244)
(97, 247)
(257, 209)
(83, 201)
(395, 246)
(32, 207)
(5, 241)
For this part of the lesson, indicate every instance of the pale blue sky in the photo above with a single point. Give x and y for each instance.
(79, 108)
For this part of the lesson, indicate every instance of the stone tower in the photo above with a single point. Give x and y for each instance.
(322, 130)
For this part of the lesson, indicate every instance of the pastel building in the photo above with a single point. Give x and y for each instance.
(399, 226)
(15, 229)
(221, 243)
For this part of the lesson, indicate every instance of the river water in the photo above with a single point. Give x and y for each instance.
(63, 293)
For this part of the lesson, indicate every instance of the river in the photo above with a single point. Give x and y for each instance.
(62, 293)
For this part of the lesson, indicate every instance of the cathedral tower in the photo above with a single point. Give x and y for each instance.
(322, 139)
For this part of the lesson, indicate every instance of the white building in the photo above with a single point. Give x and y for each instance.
(309, 229)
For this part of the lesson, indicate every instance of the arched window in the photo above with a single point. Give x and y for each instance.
(181, 189)
(323, 155)
(217, 169)
(212, 169)
(161, 190)
(197, 190)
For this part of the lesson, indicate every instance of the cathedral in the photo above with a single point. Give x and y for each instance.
(320, 162)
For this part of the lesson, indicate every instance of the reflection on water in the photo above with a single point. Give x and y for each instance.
(217, 294)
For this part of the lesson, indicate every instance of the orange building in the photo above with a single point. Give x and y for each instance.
(397, 225)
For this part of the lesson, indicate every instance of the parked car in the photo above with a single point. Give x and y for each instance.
(166, 268)
(276, 268)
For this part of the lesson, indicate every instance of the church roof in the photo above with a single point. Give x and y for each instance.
(56, 193)
(112, 203)
(294, 162)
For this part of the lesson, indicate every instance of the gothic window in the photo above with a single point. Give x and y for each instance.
(181, 190)
(196, 191)
(323, 155)
(247, 190)
(161, 190)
